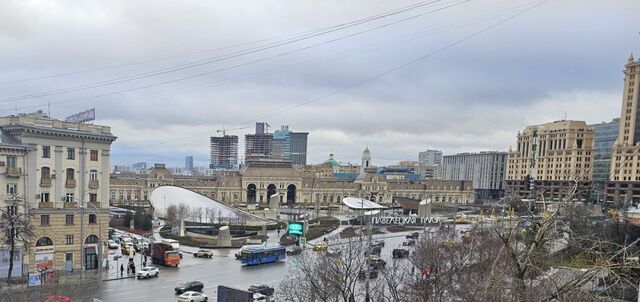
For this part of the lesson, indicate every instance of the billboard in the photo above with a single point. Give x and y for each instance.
(81, 117)
(296, 228)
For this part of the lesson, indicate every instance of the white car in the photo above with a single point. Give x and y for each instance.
(147, 272)
(192, 297)
(113, 244)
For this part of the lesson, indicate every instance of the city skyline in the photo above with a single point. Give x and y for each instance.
(472, 97)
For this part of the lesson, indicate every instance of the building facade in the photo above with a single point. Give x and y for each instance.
(485, 169)
(224, 152)
(188, 164)
(605, 135)
(258, 181)
(299, 148)
(66, 165)
(552, 155)
(428, 162)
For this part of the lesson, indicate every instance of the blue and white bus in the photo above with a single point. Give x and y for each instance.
(262, 254)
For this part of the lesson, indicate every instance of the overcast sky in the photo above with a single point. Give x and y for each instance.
(479, 71)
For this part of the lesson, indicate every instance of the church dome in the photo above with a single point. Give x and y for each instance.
(331, 161)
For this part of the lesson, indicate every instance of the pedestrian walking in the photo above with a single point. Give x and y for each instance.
(121, 269)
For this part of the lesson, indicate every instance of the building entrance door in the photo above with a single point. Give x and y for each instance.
(91, 258)
(68, 262)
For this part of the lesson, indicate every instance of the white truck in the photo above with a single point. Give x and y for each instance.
(174, 244)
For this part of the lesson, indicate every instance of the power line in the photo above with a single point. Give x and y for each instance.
(302, 64)
(213, 59)
(360, 83)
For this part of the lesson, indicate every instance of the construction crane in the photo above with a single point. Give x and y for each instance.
(224, 130)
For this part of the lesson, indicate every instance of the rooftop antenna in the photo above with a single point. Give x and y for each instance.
(49, 108)
(565, 114)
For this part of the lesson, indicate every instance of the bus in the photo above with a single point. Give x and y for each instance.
(262, 254)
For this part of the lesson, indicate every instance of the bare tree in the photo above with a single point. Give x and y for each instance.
(172, 213)
(16, 226)
(197, 214)
(326, 276)
(183, 211)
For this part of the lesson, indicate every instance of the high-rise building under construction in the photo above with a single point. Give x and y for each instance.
(224, 152)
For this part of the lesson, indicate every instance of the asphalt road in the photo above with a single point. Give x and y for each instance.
(222, 269)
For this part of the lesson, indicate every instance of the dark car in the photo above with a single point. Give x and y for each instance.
(293, 250)
(189, 286)
(413, 235)
(376, 264)
(364, 273)
(409, 242)
(400, 253)
(373, 250)
(262, 289)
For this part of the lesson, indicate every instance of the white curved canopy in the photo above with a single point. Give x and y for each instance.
(361, 204)
(165, 196)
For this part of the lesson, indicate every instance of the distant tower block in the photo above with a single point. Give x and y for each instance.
(224, 236)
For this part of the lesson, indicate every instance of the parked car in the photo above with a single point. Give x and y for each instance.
(400, 253)
(261, 289)
(293, 250)
(377, 242)
(409, 242)
(203, 254)
(376, 263)
(147, 272)
(413, 235)
(54, 298)
(189, 286)
(320, 246)
(364, 273)
(373, 251)
(192, 296)
(112, 244)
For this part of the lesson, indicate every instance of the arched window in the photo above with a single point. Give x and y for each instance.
(113, 195)
(44, 241)
(93, 175)
(92, 239)
(70, 174)
(45, 173)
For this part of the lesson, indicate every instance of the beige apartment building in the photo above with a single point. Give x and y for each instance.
(62, 175)
(554, 155)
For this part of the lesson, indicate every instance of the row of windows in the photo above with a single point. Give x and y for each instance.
(71, 153)
(46, 241)
(45, 172)
(45, 219)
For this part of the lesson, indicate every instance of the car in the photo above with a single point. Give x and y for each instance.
(320, 246)
(112, 244)
(54, 298)
(373, 250)
(261, 289)
(376, 263)
(147, 272)
(127, 249)
(203, 253)
(293, 250)
(409, 242)
(400, 253)
(334, 253)
(413, 235)
(377, 242)
(192, 296)
(189, 286)
(364, 273)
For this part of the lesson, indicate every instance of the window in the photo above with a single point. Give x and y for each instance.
(12, 188)
(45, 173)
(93, 175)
(71, 153)
(69, 219)
(11, 161)
(92, 219)
(68, 239)
(70, 174)
(68, 197)
(44, 219)
(46, 151)
(94, 155)
(44, 197)
(12, 210)
(93, 197)
(44, 241)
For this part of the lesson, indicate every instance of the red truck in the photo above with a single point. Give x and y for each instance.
(164, 254)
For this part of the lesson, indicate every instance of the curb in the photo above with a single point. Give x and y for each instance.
(112, 279)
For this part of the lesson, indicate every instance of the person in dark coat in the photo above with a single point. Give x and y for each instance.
(121, 269)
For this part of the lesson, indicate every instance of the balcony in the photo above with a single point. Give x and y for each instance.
(45, 182)
(45, 205)
(70, 183)
(93, 184)
(95, 204)
(13, 171)
(71, 204)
